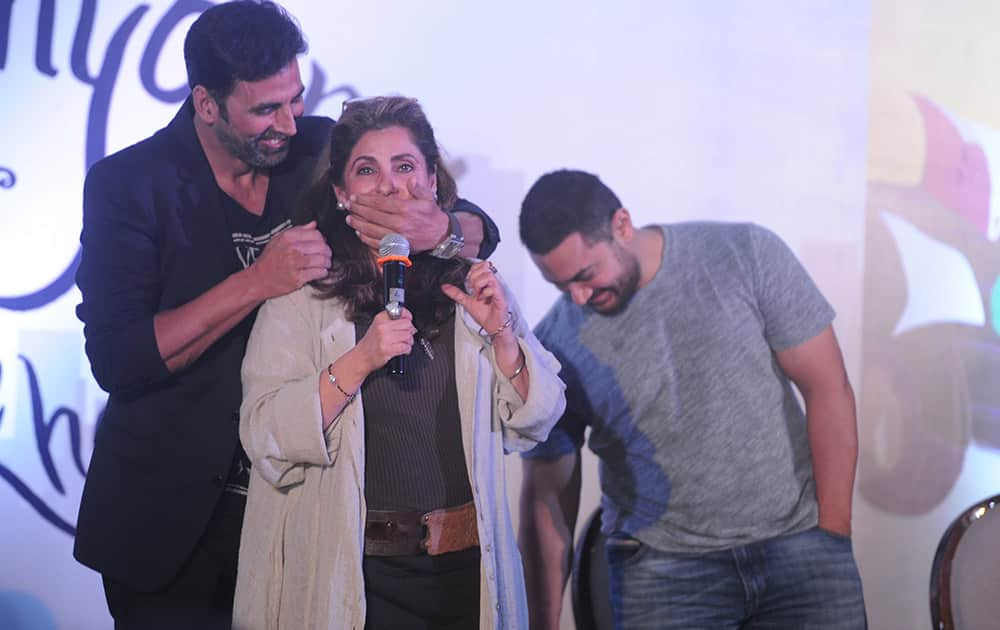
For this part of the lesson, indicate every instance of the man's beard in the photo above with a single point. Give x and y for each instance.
(624, 286)
(253, 151)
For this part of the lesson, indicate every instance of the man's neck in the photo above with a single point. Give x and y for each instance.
(649, 249)
(241, 181)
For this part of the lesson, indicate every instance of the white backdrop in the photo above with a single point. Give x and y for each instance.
(687, 109)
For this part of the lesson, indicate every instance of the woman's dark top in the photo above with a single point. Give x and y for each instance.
(413, 440)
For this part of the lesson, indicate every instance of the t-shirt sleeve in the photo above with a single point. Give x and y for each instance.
(792, 308)
(565, 438)
(491, 233)
(567, 435)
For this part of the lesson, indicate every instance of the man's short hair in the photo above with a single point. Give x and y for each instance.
(243, 40)
(563, 202)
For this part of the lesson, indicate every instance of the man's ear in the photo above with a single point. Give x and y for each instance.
(205, 106)
(621, 225)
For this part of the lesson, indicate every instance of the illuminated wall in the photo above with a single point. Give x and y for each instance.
(688, 109)
(930, 404)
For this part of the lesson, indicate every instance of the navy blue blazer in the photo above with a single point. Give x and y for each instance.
(154, 237)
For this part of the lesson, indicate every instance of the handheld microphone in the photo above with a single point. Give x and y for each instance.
(393, 258)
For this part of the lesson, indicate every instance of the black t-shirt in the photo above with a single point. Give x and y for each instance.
(251, 234)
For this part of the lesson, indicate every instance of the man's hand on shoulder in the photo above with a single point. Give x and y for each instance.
(298, 255)
(420, 219)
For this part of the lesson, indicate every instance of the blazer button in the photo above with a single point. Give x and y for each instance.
(218, 480)
(236, 416)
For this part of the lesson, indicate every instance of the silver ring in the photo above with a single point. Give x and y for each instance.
(393, 309)
(492, 268)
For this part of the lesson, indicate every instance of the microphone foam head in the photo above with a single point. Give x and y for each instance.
(394, 245)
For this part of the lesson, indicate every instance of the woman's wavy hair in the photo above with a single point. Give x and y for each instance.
(354, 276)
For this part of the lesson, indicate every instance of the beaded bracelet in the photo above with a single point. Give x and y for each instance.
(333, 381)
(511, 319)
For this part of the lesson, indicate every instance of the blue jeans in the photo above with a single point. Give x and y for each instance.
(801, 581)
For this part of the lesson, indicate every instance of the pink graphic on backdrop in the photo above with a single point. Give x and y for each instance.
(956, 172)
(932, 285)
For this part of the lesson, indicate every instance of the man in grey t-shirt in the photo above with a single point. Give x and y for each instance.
(725, 504)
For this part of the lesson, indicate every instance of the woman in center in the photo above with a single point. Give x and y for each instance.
(377, 500)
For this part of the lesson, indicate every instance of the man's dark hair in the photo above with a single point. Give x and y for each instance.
(243, 40)
(563, 202)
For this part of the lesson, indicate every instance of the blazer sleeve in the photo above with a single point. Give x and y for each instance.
(281, 423)
(118, 278)
(526, 423)
(491, 233)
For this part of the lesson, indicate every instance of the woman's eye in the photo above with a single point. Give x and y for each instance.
(406, 168)
(365, 170)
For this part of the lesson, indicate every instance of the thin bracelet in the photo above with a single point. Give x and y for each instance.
(520, 368)
(333, 381)
(511, 318)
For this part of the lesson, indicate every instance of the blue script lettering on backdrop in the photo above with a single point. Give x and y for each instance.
(43, 429)
(102, 83)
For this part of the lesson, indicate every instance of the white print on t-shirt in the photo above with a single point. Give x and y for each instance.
(248, 247)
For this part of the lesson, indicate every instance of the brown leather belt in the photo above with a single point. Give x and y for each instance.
(401, 533)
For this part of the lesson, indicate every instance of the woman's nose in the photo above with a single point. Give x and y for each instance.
(387, 184)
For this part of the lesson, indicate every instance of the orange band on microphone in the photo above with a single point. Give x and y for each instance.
(403, 259)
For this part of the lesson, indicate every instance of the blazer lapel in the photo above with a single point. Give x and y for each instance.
(200, 212)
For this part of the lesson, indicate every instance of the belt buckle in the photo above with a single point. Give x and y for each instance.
(393, 533)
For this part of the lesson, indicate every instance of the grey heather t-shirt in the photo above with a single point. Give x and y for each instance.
(701, 440)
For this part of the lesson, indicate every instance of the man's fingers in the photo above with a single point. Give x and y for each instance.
(375, 206)
(363, 226)
(306, 254)
(299, 234)
(302, 228)
(419, 190)
(316, 261)
(314, 248)
(372, 243)
(370, 233)
(305, 228)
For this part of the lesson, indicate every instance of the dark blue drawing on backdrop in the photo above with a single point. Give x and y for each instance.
(43, 430)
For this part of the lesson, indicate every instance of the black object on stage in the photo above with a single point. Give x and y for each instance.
(394, 258)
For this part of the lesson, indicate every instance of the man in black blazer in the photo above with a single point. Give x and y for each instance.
(184, 235)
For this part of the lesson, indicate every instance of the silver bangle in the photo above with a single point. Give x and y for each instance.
(511, 319)
(520, 368)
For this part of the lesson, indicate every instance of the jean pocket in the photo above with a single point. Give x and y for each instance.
(622, 548)
(834, 535)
